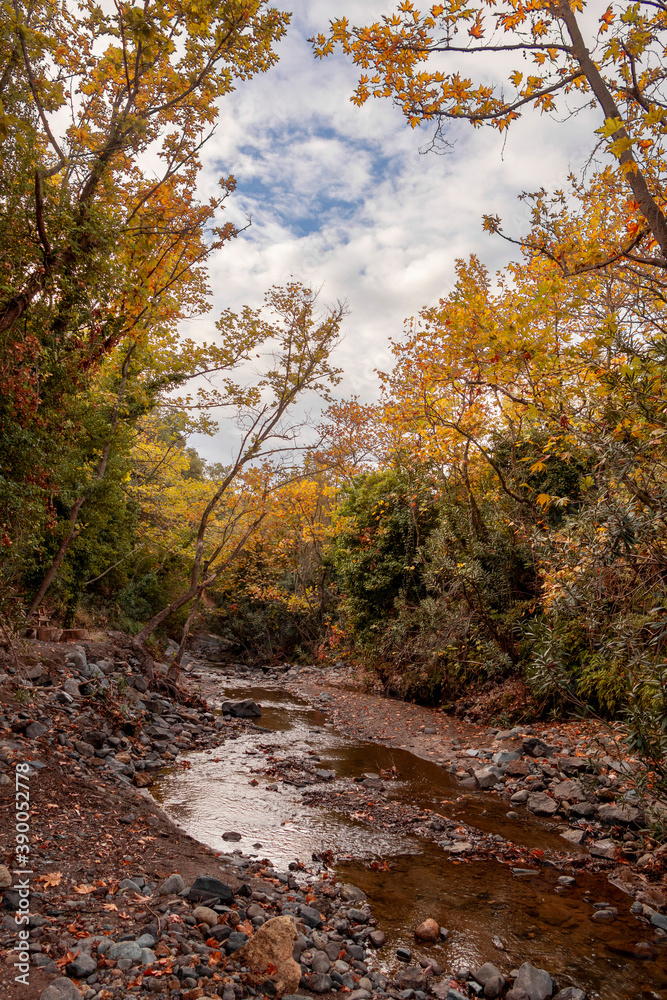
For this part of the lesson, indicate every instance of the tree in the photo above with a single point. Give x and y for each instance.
(137, 88)
(404, 57)
(104, 112)
(297, 344)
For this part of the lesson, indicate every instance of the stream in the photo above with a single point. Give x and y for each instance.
(535, 919)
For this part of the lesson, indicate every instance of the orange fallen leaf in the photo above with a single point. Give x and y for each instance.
(109, 906)
(53, 878)
(84, 889)
(66, 959)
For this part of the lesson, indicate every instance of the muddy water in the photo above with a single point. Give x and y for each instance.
(533, 918)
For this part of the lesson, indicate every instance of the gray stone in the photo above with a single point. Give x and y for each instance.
(235, 941)
(412, 978)
(85, 749)
(321, 962)
(537, 748)
(486, 778)
(310, 916)
(351, 893)
(570, 790)
(586, 810)
(71, 688)
(537, 983)
(209, 887)
(60, 989)
(77, 658)
(246, 709)
(487, 972)
(231, 835)
(146, 941)
(35, 729)
(519, 797)
(659, 920)
(148, 956)
(570, 993)
(82, 966)
(205, 915)
(574, 836)
(124, 950)
(542, 804)
(171, 885)
(377, 938)
(603, 849)
(620, 815)
(129, 885)
(321, 983)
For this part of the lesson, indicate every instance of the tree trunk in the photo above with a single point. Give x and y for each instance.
(635, 179)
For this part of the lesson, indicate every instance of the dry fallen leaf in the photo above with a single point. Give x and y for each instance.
(84, 889)
(53, 878)
(66, 959)
(109, 906)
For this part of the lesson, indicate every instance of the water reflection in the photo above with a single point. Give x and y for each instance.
(532, 916)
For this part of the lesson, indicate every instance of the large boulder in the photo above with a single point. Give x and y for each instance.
(537, 983)
(269, 953)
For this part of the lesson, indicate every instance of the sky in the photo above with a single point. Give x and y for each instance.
(343, 199)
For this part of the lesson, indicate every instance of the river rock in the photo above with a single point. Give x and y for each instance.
(486, 778)
(71, 687)
(412, 978)
(519, 797)
(321, 983)
(351, 893)
(272, 946)
(82, 966)
(321, 962)
(659, 920)
(124, 949)
(428, 930)
(171, 885)
(542, 804)
(603, 849)
(377, 938)
(246, 709)
(620, 815)
(585, 810)
(537, 983)
(574, 836)
(60, 989)
(5, 877)
(205, 915)
(311, 917)
(489, 975)
(570, 993)
(209, 887)
(537, 748)
(570, 790)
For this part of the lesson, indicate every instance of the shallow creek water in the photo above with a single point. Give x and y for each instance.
(535, 919)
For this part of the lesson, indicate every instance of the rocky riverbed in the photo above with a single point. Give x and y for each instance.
(125, 903)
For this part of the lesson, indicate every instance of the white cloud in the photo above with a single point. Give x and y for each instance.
(340, 197)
